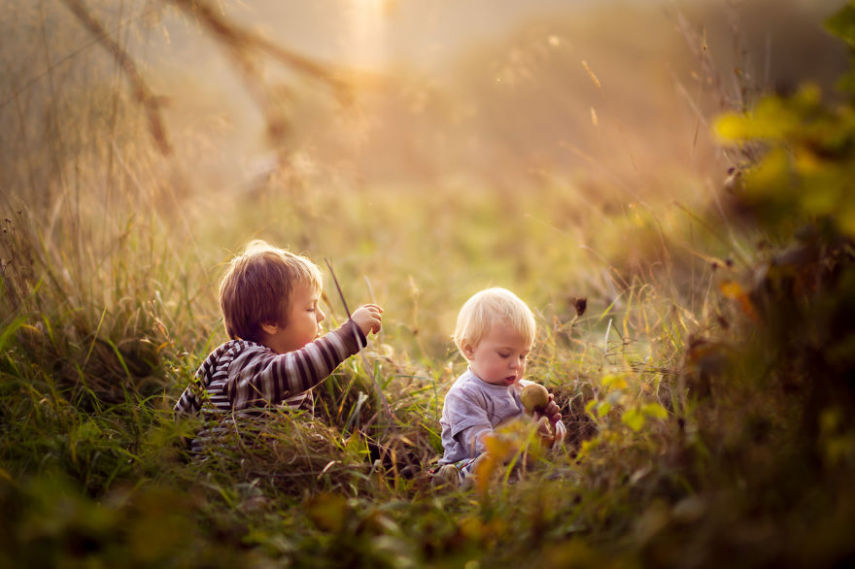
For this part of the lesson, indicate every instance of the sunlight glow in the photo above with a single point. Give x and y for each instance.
(366, 17)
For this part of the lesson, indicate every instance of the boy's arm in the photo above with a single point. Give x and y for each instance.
(269, 378)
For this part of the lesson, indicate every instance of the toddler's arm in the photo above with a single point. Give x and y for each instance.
(472, 438)
(464, 422)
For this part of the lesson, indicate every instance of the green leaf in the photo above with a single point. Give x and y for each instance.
(10, 329)
(589, 406)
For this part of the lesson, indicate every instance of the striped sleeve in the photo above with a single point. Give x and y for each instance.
(260, 377)
(194, 394)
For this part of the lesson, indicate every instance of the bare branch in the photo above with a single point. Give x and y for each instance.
(140, 88)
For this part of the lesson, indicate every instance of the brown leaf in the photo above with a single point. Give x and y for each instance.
(581, 304)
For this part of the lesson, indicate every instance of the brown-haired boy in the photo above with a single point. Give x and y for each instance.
(269, 301)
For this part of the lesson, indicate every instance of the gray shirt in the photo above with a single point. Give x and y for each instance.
(473, 406)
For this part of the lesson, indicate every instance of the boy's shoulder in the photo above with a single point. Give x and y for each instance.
(233, 346)
(229, 351)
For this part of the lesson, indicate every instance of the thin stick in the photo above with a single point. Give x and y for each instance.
(338, 288)
(378, 390)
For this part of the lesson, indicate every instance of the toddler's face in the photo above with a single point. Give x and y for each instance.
(500, 357)
(303, 321)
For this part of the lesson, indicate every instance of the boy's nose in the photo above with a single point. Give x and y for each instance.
(321, 315)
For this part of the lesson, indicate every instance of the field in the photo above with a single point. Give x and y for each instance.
(672, 204)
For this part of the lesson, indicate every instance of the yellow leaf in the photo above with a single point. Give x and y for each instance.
(634, 419)
(846, 220)
(730, 127)
(731, 289)
(614, 381)
(484, 471)
(771, 176)
(327, 511)
(472, 527)
(734, 290)
(807, 162)
(499, 447)
(655, 410)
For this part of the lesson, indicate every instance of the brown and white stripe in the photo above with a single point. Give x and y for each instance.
(243, 376)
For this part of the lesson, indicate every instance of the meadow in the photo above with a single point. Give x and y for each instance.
(693, 294)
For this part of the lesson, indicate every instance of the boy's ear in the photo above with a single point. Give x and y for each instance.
(269, 328)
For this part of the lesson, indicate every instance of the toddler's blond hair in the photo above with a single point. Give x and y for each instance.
(488, 306)
(256, 288)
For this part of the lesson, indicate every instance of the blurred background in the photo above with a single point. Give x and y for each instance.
(539, 145)
(438, 93)
(497, 93)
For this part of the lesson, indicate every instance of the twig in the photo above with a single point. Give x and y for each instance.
(140, 88)
(387, 413)
(606, 337)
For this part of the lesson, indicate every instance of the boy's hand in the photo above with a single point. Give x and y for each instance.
(368, 317)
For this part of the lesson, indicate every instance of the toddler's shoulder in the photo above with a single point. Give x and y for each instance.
(469, 388)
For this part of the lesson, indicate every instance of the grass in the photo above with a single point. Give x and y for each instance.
(699, 436)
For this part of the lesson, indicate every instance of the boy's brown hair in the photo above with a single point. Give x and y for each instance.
(257, 287)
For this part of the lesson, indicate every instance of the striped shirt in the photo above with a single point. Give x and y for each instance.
(242, 377)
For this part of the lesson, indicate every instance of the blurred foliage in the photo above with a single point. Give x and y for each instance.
(804, 174)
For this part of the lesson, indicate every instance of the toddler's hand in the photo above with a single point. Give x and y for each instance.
(560, 431)
(550, 428)
(549, 418)
(368, 317)
(552, 411)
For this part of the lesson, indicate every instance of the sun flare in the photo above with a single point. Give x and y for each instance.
(366, 20)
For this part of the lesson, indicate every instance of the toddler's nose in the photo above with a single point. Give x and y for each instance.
(321, 315)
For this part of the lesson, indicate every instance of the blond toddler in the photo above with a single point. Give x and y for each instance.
(495, 333)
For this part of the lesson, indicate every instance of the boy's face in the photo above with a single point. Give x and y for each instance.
(303, 318)
(500, 357)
